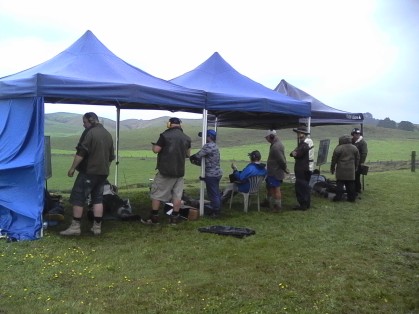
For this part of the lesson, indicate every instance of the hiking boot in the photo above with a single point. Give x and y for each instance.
(96, 228)
(174, 219)
(152, 220)
(73, 230)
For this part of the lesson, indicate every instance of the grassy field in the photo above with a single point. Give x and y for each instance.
(334, 258)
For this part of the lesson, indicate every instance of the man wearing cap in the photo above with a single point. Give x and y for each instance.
(360, 143)
(240, 178)
(172, 149)
(277, 167)
(213, 172)
(302, 169)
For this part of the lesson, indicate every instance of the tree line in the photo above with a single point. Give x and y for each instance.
(391, 124)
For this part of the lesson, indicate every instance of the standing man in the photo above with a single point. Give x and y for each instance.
(361, 144)
(172, 149)
(345, 161)
(302, 169)
(213, 172)
(95, 152)
(277, 167)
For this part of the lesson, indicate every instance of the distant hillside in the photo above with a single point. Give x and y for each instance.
(66, 128)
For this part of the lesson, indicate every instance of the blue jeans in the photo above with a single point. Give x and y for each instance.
(213, 192)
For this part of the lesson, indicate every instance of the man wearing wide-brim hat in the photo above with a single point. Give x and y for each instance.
(301, 169)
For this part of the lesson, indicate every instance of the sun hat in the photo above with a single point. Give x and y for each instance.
(301, 129)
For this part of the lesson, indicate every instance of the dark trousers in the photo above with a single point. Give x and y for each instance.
(358, 181)
(213, 192)
(302, 188)
(350, 190)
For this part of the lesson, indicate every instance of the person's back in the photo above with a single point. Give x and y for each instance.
(100, 151)
(346, 159)
(174, 151)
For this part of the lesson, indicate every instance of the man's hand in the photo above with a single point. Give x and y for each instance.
(70, 172)
(234, 167)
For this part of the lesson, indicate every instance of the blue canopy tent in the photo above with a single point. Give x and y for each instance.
(235, 100)
(85, 73)
(321, 114)
(239, 100)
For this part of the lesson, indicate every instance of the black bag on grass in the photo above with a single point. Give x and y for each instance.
(228, 230)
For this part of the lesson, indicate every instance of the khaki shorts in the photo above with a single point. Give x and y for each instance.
(166, 189)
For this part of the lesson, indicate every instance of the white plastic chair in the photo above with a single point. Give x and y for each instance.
(255, 182)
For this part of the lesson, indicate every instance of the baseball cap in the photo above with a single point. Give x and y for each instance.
(270, 132)
(210, 133)
(355, 131)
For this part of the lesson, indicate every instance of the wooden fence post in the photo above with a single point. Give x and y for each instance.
(413, 165)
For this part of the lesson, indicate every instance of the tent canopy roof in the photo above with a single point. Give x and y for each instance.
(89, 73)
(229, 92)
(321, 114)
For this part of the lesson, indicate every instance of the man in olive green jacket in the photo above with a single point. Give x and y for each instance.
(345, 161)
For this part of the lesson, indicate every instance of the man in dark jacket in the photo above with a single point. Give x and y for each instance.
(345, 161)
(360, 143)
(95, 152)
(302, 169)
(172, 149)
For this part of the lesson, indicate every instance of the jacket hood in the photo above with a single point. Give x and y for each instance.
(345, 139)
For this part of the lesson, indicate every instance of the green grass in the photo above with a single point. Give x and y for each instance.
(334, 258)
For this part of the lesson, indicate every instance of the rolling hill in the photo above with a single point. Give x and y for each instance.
(66, 128)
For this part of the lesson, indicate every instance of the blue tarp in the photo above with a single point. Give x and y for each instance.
(230, 93)
(321, 114)
(21, 167)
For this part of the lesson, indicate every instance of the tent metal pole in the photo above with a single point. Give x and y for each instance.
(118, 116)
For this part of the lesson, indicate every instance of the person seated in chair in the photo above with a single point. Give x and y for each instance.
(239, 179)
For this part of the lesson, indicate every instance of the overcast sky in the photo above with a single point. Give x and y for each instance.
(357, 55)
